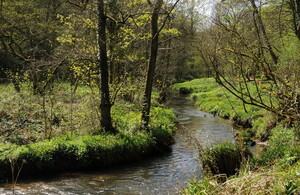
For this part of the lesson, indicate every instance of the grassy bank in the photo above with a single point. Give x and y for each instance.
(211, 97)
(60, 131)
(77, 153)
(275, 170)
(276, 180)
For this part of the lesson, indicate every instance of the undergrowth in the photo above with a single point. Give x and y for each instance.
(80, 152)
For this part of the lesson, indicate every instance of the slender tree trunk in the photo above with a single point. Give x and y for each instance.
(264, 32)
(105, 104)
(151, 65)
(1, 4)
(295, 6)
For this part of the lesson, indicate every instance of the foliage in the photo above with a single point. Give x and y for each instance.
(72, 126)
(246, 54)
(23, 118)
(85, 152)
(78, 152)
(162, 126)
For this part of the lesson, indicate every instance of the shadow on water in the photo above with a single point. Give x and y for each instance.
(163, 174)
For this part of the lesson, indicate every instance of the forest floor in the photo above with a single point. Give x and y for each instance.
(59, 131)
(274, 170)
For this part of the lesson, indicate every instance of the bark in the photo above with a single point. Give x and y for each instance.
(105, 104)
(151, 65)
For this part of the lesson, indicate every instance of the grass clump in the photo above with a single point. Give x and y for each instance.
(223, 158)
(268, 181)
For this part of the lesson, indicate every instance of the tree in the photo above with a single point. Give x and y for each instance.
(155, 31)
(152, 63)
(247, 54)
(28, 40)
(105, 105)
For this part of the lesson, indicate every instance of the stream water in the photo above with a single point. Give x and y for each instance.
(163, 174)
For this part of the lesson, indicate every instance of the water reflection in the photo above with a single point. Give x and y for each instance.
(164, 174)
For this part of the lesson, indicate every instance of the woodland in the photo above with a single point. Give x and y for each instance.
(83, 83)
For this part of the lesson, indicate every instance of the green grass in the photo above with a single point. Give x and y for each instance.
(275, 171)
(283, 147)
(213, 98)
(223, 158)
(276, 180)
(26, 118)
(61, 132)
(66, 153)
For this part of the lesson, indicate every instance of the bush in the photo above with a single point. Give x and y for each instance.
(224, 158)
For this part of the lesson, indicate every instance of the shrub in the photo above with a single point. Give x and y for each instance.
(224, 158)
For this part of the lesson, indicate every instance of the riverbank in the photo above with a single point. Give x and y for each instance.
(163, 173)
(58, 132)
(211, 97)
(273, 171)
(63, 154)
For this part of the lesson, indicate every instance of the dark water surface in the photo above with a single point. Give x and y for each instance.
(164, 174)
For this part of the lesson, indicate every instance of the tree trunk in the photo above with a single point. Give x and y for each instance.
(151, 65)
(105, 104)
(295, 6)
(262, 27)
(1, 5)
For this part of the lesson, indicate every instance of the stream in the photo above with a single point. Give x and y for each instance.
(162, 174)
